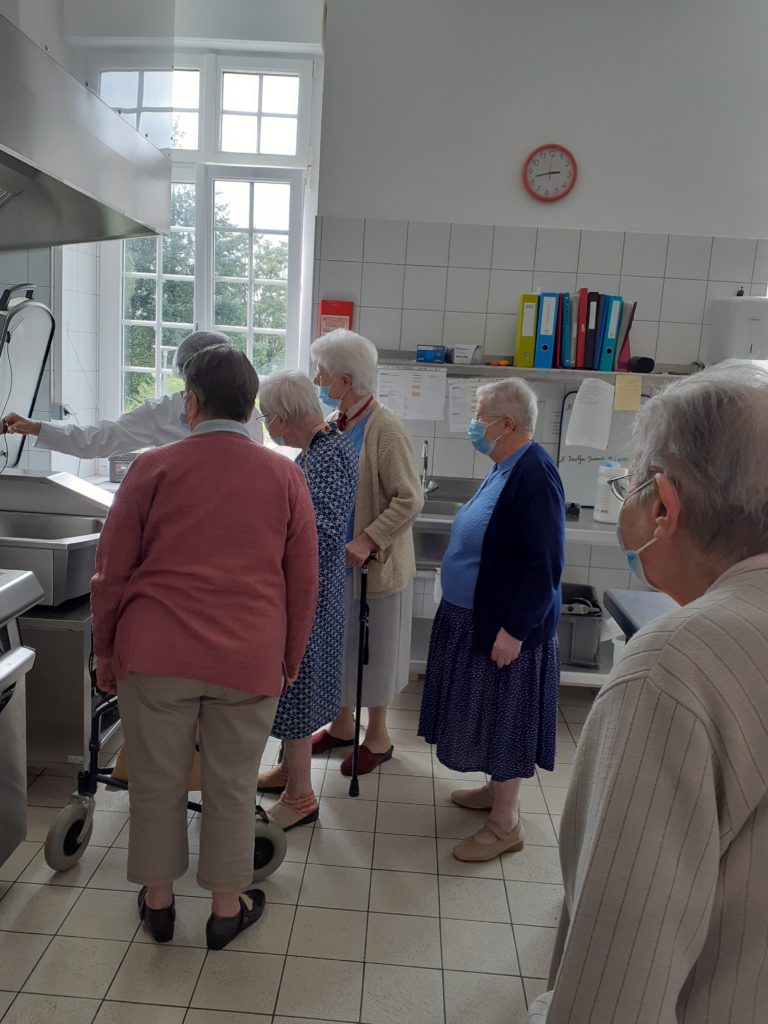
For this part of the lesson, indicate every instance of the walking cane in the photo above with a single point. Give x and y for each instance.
(362, 661)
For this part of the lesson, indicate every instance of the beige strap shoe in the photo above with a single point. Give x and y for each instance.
(286, 817)
(506, 842)
(474, 799)
(273, 780)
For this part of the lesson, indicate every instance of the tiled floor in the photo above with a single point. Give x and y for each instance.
(370, 918)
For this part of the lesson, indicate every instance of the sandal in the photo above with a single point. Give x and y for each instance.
(286, 817)
(159, 922)
(272, 781)
(219, 931)
(506, 842)
(323, 741)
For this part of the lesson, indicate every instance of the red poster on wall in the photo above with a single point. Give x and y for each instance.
(334, 313)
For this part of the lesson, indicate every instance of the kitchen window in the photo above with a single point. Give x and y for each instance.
(163, 105)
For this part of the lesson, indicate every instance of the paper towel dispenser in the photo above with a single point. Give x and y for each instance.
(739, 329)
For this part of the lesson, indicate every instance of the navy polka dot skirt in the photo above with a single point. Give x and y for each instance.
(483, 719)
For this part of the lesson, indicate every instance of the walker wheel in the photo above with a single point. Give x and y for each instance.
(66, 842)
(269, 848)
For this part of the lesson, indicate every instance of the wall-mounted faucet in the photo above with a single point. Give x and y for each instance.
(427, 486)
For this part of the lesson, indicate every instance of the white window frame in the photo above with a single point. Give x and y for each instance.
(204, 307)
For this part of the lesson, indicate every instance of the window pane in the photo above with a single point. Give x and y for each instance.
(239, 133)
(230, 304)
(239, 340)
(140, 255)
(139, 302)
(178, 301)
(130, 118)
(269, 352)
(270, 257)
(231, 200)
(120, 88)
(170, 384)
(230, 256)
(158, 128)
(158, 89)
(186, 89)
(139, 346)
(172, 337)
(183, 206)
(185, 131)
(280, 94)
(179, 254)
(278, 135)
(269, 306)
(241, 92)
(137, 388)
(271, 205)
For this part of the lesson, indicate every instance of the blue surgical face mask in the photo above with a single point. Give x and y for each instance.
(325, 398)
(632, 555)
(476, 434)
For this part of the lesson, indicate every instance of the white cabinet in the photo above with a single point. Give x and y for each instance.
(739, 329)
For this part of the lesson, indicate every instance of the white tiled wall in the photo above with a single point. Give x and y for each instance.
(79, 327)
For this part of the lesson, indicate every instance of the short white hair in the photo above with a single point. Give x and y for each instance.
(343, 351)
(708, 433)
(510, 397)
(290, 394)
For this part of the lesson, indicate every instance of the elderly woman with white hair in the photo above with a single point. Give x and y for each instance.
(493, 670)
(665, 825)
(389, 498)
(293, 416)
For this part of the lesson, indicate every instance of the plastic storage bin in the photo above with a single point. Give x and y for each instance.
(579, 632)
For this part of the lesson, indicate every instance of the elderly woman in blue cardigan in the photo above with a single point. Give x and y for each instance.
(490, 695)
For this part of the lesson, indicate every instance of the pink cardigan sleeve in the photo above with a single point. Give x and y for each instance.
(300, 568)
(117, 556)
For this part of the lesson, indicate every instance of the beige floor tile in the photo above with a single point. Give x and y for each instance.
(575, 714)
(406, 700)
(298, 844)
(405, 853)
(532, 800)
(36, 908)
(111, 872)
(405, 819)
(574, 732)
(107, 826)
(34, 1009)
(534, 949)
(447, 864)
(478, 946)
(534, 988)
(112, 800)
(242, 982)
(406, 789)
(336, 786)
(50, 791)
(408, 995)
(328, 934)
(408, 720)
(340, 848)
(458, 822)
(133, 1013)
(6, 998)
(102, 914)
(39, 820)
(401, 892)
(298, 1020)
(157, 974)
(406, 739)
(224, 1017)
(535, 903)
(441, 772)
(533, 864)
(409, 762)
(473, 899)
(352, 815)
(483, 999)
(556, 823)
(329, 989)
(284, 886)
(335, 888)
(444, 788)
(123, 837)
(19, 954)
(538, 830)
(560, 777)
(23, 855)
(77, 967)
(566, 751)
(403, 940)
(38, 871)
(555, 798)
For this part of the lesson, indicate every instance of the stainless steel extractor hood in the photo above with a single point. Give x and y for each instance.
(71, 170)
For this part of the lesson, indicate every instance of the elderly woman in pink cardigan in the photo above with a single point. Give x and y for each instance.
(203, 600)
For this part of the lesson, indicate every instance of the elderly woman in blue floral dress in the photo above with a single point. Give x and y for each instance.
(293, 416)
(493, 670)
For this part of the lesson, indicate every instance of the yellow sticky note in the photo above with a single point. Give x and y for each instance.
(629, 391)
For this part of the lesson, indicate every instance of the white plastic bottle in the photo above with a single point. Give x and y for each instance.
(607, 505)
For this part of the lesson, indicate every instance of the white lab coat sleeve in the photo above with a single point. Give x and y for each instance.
(155, 422)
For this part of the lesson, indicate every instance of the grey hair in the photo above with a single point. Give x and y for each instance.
(194, 343)
(709, 433)
(344, 351)
(290, 394)
(511, 397)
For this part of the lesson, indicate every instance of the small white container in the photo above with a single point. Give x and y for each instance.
(607, 505)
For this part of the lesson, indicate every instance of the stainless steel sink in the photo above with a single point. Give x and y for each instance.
(432, 530)
(36, 526)
(440, 507)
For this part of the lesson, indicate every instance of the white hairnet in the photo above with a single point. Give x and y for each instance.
(194, 343)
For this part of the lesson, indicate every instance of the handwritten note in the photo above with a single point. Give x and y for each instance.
(629, 392)
(590, 423)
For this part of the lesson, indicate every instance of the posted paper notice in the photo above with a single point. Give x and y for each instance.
(590, 423)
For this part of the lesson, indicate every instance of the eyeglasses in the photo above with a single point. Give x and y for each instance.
(622, 487)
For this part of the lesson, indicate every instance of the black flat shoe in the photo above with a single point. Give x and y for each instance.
(219, 931)
(159, 922)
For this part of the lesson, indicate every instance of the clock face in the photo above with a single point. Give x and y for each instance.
(549, 173)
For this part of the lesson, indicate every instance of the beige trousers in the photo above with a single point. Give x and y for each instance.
(160, 716)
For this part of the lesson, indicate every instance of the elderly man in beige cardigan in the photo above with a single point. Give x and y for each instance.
(389, 497)
(665, 828)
